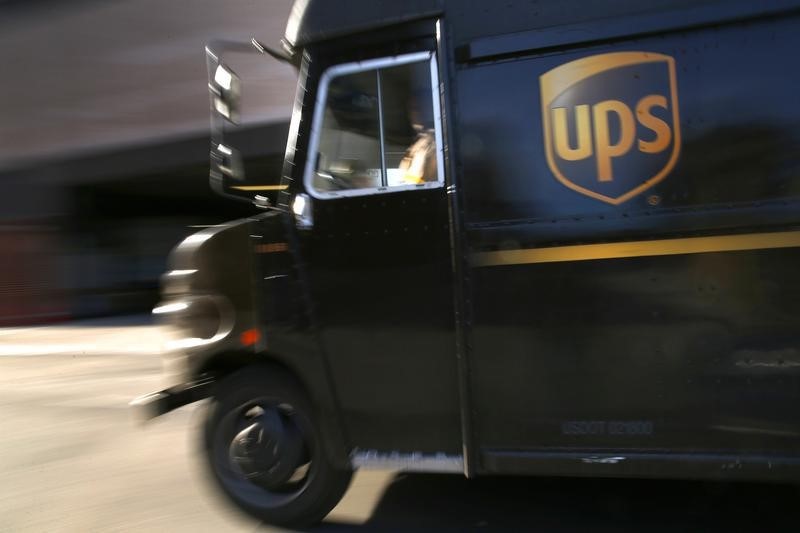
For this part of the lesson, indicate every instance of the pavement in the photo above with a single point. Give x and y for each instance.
(72, 459)
(106, 336)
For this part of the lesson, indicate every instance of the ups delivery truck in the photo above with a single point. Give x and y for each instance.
(542, 238)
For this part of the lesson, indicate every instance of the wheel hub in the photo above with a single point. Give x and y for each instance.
(268, 449)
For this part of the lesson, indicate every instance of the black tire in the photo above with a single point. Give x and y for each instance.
(248, 405)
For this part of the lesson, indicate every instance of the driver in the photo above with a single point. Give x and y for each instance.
(419, 162)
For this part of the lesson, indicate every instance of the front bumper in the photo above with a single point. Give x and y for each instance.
(155, 404)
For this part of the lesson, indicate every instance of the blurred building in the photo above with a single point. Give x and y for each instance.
(104, 144)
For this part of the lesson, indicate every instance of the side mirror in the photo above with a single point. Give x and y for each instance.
(226, 89)
(227, 173)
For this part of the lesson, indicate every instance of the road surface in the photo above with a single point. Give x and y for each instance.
(71, 459)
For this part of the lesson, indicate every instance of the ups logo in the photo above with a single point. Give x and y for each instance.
(611, 125)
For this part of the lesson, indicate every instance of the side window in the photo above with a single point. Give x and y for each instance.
(376, 128)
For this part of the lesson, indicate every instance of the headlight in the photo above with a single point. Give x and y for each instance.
(196, 321)
(177, 282)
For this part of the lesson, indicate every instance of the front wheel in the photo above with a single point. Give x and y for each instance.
(265, 450)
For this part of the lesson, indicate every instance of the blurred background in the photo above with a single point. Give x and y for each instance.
(104, 144)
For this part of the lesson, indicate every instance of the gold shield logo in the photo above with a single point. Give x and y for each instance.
(611, 124)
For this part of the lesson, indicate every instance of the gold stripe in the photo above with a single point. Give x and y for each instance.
(588, 252)
(260, 187)
(272, 247)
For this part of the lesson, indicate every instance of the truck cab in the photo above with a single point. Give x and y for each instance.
(508, 239)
